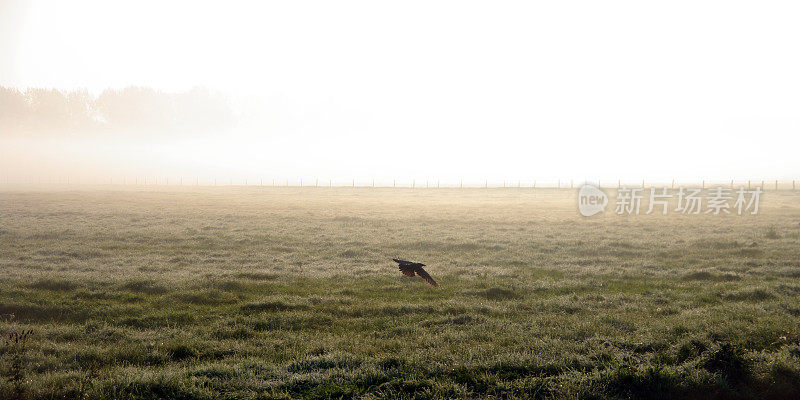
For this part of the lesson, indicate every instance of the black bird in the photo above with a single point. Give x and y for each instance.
(409, 268)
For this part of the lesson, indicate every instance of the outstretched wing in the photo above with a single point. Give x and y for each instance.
(407, 270)
(424, 275)
(401, 262)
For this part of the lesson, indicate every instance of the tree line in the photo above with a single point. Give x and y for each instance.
(39, 110)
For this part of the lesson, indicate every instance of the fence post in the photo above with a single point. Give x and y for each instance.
(776, 184)
(762, 184)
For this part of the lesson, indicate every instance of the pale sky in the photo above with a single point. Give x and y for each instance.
(431, 89)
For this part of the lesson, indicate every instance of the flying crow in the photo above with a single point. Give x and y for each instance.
(409, 268)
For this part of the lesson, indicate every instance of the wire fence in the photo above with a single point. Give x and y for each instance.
(764, 184)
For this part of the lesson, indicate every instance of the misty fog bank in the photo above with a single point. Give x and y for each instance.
(49, 135)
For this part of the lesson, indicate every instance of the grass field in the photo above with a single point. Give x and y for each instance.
(209, 293)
